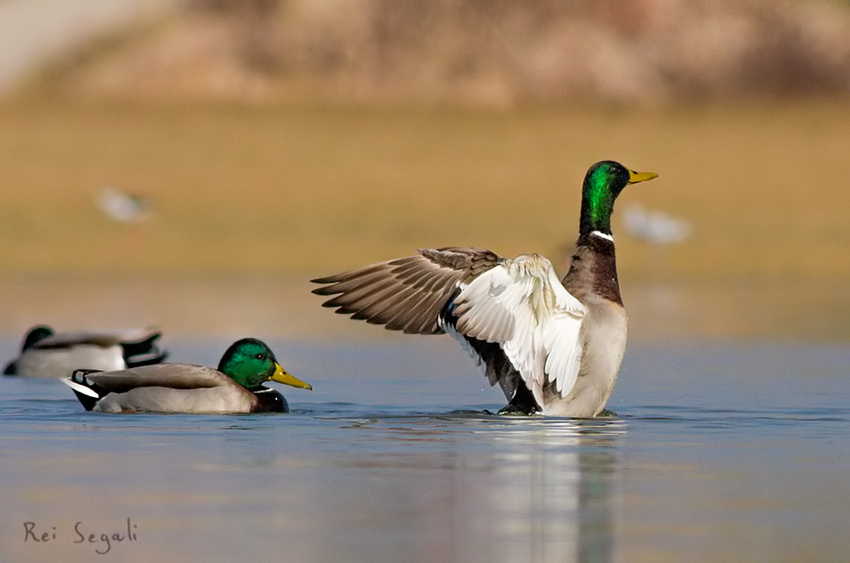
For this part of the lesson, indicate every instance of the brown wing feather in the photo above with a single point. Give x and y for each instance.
(174, 376)
(407, 293)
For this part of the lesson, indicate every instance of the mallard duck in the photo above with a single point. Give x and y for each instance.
(45, 353)
(554, 347)
(235, 387)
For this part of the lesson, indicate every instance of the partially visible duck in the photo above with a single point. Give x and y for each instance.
(235, 387)
(554, 347)
(45, 353)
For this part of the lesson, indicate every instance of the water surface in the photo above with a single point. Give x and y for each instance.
(717, 452)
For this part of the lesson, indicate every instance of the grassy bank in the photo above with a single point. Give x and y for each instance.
(280, 191)
(259, 192)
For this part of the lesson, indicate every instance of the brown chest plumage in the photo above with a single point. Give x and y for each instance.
(593, 270)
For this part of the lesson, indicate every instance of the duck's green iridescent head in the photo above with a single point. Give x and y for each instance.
(602, 184)
(250, 363)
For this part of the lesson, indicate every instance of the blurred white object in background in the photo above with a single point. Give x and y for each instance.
(122, 207)
(655, 227)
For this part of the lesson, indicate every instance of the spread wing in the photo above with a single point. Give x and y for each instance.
(518, 305)
(406, 294)
(521, 305)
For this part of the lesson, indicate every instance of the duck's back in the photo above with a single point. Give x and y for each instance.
(62, 361)
(171, 388)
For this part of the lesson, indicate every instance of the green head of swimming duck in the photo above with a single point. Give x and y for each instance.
(602, 184)
(250, 363)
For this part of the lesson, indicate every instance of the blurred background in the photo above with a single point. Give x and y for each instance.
(190, 164)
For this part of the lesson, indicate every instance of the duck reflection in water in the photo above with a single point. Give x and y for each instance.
(508, 489)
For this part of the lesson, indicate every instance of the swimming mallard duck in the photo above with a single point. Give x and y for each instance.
(45, 353)
(235, 387)
(553, 346)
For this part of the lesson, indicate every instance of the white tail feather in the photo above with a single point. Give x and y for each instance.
(80, 388)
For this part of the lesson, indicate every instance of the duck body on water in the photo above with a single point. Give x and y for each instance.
(235, 387)
(46, 353)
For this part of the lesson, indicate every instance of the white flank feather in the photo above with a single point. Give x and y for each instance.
(523, 306)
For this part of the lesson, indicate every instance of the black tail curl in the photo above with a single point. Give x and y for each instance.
(79, 376)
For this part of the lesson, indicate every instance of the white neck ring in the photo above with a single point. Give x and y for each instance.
(600, 234)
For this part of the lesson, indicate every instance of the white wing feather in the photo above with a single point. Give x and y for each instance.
(521, 305)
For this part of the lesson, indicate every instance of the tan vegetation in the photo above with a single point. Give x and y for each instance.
(472, 52)
(277, 190)
(250, 202)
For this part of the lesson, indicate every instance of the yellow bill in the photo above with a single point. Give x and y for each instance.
(282, 376)
(635, 177)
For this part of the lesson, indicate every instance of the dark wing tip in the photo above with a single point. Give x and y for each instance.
(326, 279)
(325, 290)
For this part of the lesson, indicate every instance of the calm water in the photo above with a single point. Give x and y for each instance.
(717, 452)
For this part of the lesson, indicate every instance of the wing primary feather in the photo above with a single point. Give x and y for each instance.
(408, 310)
(345, 276)
(381, 306)
(356, 284)
(361, 297)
